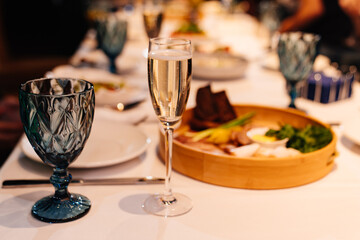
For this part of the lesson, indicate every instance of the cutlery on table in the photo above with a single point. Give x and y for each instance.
(20, 183)
(123, 107)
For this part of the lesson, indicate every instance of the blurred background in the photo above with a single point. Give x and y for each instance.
(36, 36)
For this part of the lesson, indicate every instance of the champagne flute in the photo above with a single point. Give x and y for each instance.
(169, 76)
(57, 114)
(153, 16)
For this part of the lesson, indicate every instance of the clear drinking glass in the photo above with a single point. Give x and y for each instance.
(169, 77)
(153, 17)
(297, 52)
(57, 114)
(228, 5)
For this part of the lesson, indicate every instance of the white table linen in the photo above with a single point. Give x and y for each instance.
(328, 209)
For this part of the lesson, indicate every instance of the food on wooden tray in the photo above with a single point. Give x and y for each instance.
(189, 28)
(258, 135)
(216, 128)
(232, 138)
(211, 109)
(112, 86)
(305, 140)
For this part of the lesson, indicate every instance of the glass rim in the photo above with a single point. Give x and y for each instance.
(317, 37)
(170, 41)
(51, 95)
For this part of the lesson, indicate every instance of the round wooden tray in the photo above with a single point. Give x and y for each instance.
(255, 172)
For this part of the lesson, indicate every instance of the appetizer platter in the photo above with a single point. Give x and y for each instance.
(250, 146)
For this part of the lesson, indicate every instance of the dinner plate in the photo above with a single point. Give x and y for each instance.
(352, 130)
(109, 143)
(221, 66)
(129, 92)
(271, 61)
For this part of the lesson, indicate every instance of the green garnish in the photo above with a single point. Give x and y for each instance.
(236, 122)
(305, 140)
(112, 86)
(190, 27)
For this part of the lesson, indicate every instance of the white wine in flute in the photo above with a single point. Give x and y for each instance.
(169, 82)
(169, 77)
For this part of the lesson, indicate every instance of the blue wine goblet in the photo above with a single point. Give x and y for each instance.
(111, 34)
(57, 114)
(297, 52)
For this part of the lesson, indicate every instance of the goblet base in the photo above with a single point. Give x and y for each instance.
(156, 205)
(54, 210)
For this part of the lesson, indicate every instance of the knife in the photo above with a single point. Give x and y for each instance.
(123, 107)
(20, 183)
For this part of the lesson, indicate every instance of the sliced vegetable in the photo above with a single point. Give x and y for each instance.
(112, 86)
(240, 121)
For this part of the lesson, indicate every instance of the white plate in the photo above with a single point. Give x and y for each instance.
(129, 93)
(109, 143)
(352, 130)
(126, 95)
(218, 66)
(271, 61)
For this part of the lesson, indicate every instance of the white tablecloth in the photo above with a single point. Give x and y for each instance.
(328, 209)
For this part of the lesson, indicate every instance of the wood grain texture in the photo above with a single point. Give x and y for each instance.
(255, 172)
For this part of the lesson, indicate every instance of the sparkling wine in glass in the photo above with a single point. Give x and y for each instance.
(57, 114)
(153, 17)
(169, 77)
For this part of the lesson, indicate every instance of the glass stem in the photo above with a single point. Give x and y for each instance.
(112, 65)
(168, 197)
(293, 94)
(60, 179)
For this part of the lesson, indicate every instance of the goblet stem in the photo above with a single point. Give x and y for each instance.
(112, 67)
(60, 179)
(292, 93)
(168, 196)
(62, 206)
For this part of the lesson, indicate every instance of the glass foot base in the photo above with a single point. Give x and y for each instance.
(156, 205)
(53, 210)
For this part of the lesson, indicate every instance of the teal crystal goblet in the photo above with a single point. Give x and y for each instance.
(57, 114)
(297, 52)
(111, 34)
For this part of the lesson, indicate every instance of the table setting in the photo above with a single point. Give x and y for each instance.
(116, 144)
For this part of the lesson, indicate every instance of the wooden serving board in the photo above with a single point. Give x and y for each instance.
(255, 172)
